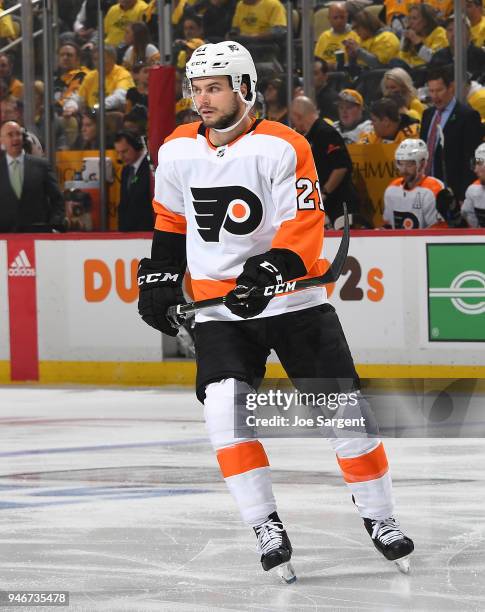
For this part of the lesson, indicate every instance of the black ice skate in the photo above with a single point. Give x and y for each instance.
(275, 546)
(390, 541)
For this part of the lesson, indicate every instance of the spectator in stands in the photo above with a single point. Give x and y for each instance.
(69, 74)
(457, 125)
(12, 109)
(475, 55)
(275, 97)
(389, 125)
(473, 209)
(332, 161)
(15, 87)
(138, 95)
(86, 22)
(135, 212)
(118, 81)
(140, 49)
(396, 13)
(258, 20)
(331, 40)
(136, 120)
(410, 201)
(475, 97)
(397, 81)
(8, 29)
(351, 123)
(88, 135)
(216, 18)
(378, 45)
(31, 199)
(192, 26)
(325, 95)
(119, 16)
(423, 37)
(443, 8)
(39, 120)
(474, 12)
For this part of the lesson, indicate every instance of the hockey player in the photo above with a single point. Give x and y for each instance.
(237, 199)
(410, 201)
(473, 209)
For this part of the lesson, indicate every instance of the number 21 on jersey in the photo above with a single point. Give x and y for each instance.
(309, 192)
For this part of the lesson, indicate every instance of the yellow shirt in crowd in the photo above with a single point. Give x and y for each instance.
(395, 7)
(443, 7)
(410, 131)
(384, 45)
(16, 89)
(117, 19)
(118, 78)
(435, 41)
(329, 42)
(7, 27)
(177, 13)
(72, 80)
(477, 33)
(477, 101)
(259, 18)
(418, 107)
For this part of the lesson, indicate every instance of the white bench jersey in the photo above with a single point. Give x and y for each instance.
(412, 208)
(473, 209)
(235, 201)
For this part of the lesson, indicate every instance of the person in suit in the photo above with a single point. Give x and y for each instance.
(31, 200)
(135, 212)
(458, 125)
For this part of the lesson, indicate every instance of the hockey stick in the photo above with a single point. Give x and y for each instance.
(175, 313)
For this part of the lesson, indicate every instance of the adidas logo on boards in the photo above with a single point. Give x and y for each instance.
(21, 266)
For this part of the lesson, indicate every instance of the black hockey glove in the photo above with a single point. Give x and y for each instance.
(271, 268)
(160, 287)
(449, 209)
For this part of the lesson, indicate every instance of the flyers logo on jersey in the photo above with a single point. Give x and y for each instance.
(235, 209)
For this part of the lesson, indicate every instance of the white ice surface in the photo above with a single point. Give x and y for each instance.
(115, 496)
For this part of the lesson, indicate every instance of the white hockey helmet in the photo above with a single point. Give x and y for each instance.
(480, 154)
(411, 149)
(227, 58)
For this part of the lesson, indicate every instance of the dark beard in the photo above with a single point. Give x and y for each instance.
(226, 120)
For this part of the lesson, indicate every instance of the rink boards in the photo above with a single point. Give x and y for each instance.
(412, 304)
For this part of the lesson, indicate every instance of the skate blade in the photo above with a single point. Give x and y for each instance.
(286, 572)
(403, 564)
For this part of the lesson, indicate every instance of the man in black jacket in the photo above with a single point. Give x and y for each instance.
(332, 160)
(135, 212)
(31, 200)
(452, 131)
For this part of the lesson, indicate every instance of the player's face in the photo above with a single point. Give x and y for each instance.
(480, 170)
(218, 106)
(408, 170)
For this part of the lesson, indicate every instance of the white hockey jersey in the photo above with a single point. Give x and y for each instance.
(412, 208)
(235, 201)
(473, 209)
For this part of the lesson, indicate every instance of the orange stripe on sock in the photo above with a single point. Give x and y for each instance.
(370, 466)
(242, 458)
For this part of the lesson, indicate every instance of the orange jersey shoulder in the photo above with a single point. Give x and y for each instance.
(187, 130)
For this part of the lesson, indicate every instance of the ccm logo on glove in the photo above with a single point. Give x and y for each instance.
(156, 277)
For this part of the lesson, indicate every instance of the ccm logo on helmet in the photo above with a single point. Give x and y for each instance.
(156, 277)
(233, 208)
